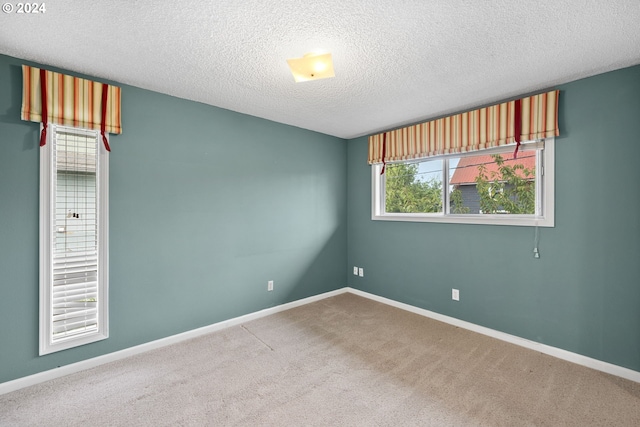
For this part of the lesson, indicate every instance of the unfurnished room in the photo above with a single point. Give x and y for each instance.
(340, 213)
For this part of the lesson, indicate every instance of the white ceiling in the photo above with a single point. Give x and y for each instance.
(396, 62)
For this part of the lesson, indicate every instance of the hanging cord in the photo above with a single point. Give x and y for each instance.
(103, 122)
(536, 239)
(518, 126)
(384, 152)
(43, 99)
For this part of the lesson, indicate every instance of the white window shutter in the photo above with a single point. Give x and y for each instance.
(73, 240)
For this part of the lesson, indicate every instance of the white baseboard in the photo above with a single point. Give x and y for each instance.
(569, 356)
(599, 365)
(51, 374)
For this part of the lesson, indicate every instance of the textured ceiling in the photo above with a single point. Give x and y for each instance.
(396, 62)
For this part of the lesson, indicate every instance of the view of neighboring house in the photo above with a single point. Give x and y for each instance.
(467, 170)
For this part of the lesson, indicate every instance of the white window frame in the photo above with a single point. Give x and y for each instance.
(545, 179)
(47, 228)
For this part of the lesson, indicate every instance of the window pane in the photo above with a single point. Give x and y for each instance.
(75, 250)
(73, 243)
(493, 184)
(414, 187)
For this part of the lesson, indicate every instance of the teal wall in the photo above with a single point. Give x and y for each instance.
(206, 206)
(583, 294)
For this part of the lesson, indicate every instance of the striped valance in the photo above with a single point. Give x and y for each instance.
(524, 119)
(70, 101)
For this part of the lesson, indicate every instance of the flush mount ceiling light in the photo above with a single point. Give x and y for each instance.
(312, 66)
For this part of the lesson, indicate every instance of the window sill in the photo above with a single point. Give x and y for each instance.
(514, 220)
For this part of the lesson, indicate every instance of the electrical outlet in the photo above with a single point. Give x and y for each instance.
(455, 294)
(355, 271)
(361, 272)
(270, 285)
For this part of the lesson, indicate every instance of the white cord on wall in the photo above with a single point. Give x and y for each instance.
(536, 239)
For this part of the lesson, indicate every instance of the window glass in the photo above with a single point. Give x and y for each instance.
(487, 187)
(414, 187)
(73, 239)
(493, 184)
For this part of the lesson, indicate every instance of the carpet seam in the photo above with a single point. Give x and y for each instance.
(256, 337)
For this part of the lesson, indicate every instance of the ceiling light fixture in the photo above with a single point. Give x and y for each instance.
(312, 66)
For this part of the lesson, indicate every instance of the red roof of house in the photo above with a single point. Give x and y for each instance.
(467, 169)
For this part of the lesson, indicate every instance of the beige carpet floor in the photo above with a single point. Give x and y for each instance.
(342, 361)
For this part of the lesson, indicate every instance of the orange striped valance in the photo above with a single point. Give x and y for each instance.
(70, 100)
(524, 119)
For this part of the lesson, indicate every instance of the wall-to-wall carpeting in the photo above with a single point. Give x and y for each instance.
(342, 361)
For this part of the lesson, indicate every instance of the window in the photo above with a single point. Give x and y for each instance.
(73, 239)
(480, 187)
